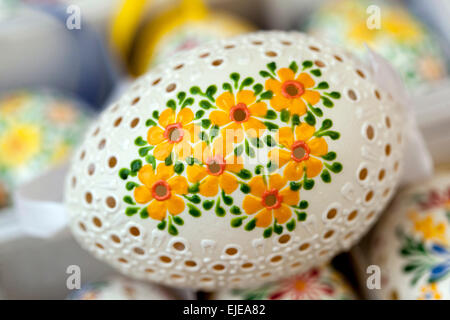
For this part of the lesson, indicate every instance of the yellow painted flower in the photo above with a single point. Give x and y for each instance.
(13, 103)
(237, 115)
(302, 152)
(175, 132)
(291, 92)
(268, 200)
(430, 292)
(19, 145)
(162, 190)
(428, 228)
(215, 171)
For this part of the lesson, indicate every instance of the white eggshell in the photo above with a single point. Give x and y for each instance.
(200, 237)
(411, 243)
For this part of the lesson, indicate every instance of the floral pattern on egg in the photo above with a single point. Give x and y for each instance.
(213, 175)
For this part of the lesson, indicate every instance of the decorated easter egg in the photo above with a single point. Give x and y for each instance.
(38, 130)
(411, 244)
(118, 288)
(319, 283)
(236, 163)
(184, 25)
(387, 28)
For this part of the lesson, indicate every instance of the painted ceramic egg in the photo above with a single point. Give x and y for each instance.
(38, 130)
(319, 283)
(182, 28)
(411, 244)
(119, 288)
(387, 28)
(237, 163)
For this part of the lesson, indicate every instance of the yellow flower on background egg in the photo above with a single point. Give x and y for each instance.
(19, 144)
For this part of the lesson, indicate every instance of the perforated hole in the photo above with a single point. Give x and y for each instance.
(122, 260)
(266, 275)
(100, 246)
(271, 53)
(338, 58)
(331, 214)
(370, 132)
(178, 67)
(88, 197)
(381, 174)
(328, 234)
(370, 215)
(102, 144)
(388, 122)
(219, 267)
(135, 101)
(171, 87)
(314, 48)
(276, 259)
(396, 166)
(179, 246)
(117, 122)
(82, 155)
(96, 132)
(257, 42)
(286, 43)
(149, 270)
(387, 150)
(386, 192)
(351, 94)
(296, 265)
(115, 238)
(231, 251)
(323, 252)
(361, 73)
(363, 174)
(134, 123)
(206, 279)
(377, 94)
(230, 46)
(369, 196)
(204, 55)
(284, 238)
(154, 83)
(115, 108)
(97, 222)
(236, 280)
(304, 247)
(352, 216)
(82, 226)
(74, 182)
(217, 62)
(165, 259)
(112, 162)
(319, 63)
(348, 235)
(176, 276)
(190, 263)
(139, 251)
(134, 231)
(111, 202)
(247, 265)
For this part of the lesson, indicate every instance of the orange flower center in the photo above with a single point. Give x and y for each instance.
(215, 166)
(300, 285)
(174, 132)
(239, 113)
(271, 199)
(161, 190)
(300, 151)
(292, 89)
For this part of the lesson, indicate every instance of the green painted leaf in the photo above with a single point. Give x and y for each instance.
(295, 120)
(246, 82)
(336, 167)
(258, 169)
(227, 87)
(150, 122)
(140, 142)
(278, 229)
(272, 67)
(295, 185)
(144, 213)
(301, 216)
(267, 95)
(334, 94)
(194, 211)
(237, 222)
(265, 74)
(178, 167)
(267, 233)
(235, 210)
(310, 119)
(285, 115)
(308, 184)
(250, 225)
(195, 90)
(317, 111)
(172, 230)
(293, 66)
(194, 188)
(130, 211)
(205, 104)
(131, 185)
(220, 212)
(332, 134)
(271, 126)
(316, 72)
(151, 160)
(238, 150)
(208, 204)
(206, 123)
(270, 115)
(326, 124)
(323, 85)
(155, 114)
(161, 225)
(249, 150)
(194, 199)
(227, 199)
(291, 225)
(244, 174)
(199, 114)
(330, 156)
(144, 151)
(325, 175)
(256, 142)
(270, 141)
(171, 104)
(169, 160)
(211, 91)
(136, 165)
(179, 221)
(129, 200)
(327, 102)
(245, 188)
(303, 204)
(307, 64)
(258, 88)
